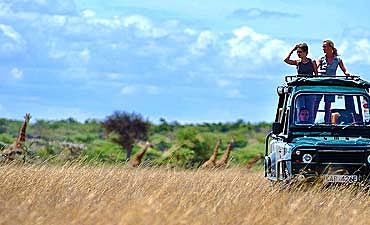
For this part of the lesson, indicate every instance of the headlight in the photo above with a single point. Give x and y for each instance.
(307, 158)
(368, 159)
(298, 152)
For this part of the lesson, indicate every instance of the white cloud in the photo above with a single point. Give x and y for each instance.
(147, 89)
(223, 83)
(273, 48)
(11, 33)
(85, 55)
(140, 22)
(16, 73)
(144, 25)
(127, 90)
(113, 76)
(152, 90)
(112, 23)
(205, 39)
(234, 93)
(88, 13)
(246, 32)
(190, 32)
(254, 46)
(359, 52)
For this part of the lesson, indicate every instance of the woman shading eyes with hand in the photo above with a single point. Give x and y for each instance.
(305, 65)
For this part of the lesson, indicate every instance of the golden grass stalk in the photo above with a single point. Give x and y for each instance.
(76, 194)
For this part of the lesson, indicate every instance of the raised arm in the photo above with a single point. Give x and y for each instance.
(343, 68)
(288, 60)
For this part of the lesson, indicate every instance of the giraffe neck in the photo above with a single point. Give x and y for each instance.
(22, 131)
(215, 151)
(226, 154)
(141, 154)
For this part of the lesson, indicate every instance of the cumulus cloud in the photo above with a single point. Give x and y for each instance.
(359, 52)
(257, 47)
(11, 42)
(88, 13)
(16, 73)
(127, 90)
(143, 89)
(144, 25)
(9, 32)
(254, 13)
(85, 55)
(205, 39)
(190, 31)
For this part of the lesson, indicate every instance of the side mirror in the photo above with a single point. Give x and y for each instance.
(276, 128)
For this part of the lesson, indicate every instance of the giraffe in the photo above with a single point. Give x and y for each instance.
(254, 161)
(211, 162)
(17, 147)
(225, 157)
(136, 160)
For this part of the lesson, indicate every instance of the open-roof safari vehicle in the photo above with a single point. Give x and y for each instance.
(321, 131)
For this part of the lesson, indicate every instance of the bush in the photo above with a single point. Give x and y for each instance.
(6, 138)
(103, 151)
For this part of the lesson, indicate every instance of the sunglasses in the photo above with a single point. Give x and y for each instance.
(299, 51)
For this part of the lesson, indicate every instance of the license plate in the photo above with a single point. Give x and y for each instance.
(340, 178)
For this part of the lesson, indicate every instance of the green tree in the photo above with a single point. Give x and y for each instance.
(128, 128)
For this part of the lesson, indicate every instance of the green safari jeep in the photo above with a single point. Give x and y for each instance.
(321, 131)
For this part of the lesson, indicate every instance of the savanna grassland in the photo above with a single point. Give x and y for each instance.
(87, 194)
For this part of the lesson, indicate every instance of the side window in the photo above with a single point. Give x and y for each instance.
(282, 116)
(280, 109)
(286, 114)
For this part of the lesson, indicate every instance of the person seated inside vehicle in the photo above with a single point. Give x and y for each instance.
(303, 116)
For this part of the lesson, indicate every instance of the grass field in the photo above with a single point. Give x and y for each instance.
(75, 194)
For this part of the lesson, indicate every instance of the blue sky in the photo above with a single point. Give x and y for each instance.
(190, 61)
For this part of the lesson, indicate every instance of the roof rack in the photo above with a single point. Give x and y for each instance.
(341, 80)
(290, 78)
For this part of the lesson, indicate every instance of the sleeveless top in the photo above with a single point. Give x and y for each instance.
(331, 69)
(305, 68)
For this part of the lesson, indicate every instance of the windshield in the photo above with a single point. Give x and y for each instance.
(331, 109)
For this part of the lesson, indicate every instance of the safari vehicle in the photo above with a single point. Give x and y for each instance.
(321, 131)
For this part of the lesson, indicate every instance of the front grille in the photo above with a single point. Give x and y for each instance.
(342, 156)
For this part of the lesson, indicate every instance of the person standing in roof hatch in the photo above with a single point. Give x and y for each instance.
(305, 65)
(328, 64)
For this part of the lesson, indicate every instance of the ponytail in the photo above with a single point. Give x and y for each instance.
(335, 52)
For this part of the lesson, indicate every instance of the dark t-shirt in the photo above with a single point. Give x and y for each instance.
(305, 68)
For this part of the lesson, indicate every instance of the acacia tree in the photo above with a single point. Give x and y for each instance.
(128, 127)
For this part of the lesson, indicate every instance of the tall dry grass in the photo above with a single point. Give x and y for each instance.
(75, 194)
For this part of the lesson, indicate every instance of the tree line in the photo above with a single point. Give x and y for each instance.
(120, 135)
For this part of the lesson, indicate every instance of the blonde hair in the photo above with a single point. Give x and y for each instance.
(331, 44)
